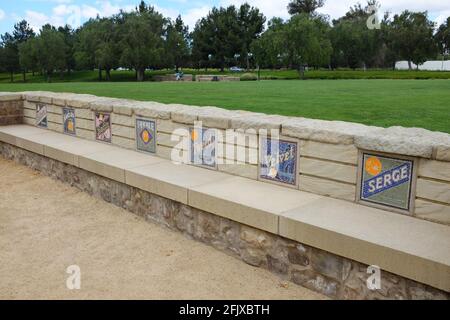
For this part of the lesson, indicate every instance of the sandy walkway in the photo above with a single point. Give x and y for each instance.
(46, 226)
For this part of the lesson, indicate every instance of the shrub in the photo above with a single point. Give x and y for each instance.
(249, 77)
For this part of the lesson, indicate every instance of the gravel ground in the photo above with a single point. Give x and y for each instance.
(46, 226)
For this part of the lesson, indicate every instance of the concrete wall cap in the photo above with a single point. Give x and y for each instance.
(185, 114)
(103, 105)
(10, 96)
(153, 110)
(415, 142)
(214, 117)
(81, 101)
(257, 121)
(335, 132)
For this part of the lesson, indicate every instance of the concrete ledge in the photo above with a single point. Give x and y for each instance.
(10, 96)
(250, 202)
(170, 180)
(113, 162)
(412, 248)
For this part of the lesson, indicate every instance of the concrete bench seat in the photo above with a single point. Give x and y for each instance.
(415, 249)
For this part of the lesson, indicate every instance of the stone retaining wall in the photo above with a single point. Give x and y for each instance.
(209, 78)
(318, 270)
(11, 109)
(329, 159)
(173, 77)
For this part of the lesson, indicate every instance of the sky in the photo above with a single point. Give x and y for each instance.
(75, 12)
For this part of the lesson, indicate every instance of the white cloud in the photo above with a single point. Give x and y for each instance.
(38, 19)
(71, 14)
(191, 17)
(2, 14)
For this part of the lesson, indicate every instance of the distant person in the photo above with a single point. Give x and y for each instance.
(179, 75)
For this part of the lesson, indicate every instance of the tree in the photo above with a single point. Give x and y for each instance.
(28, 55)
(268, 50)
(226, 34)
(217, 37)
(2, 59)
(410, 36)
(251, 23)
(307, 41)
(305, 6)
(22, 32)
(69, 41)
(443, 37)
(177, 43)
(51, 50)
(97, 45)
(354, 44)
(303, 40)
(142, 39)
(10, 55)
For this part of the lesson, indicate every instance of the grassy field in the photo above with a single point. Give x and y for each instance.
(409, 103)
(342, 74)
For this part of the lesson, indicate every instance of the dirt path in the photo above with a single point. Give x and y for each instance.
(46, 226)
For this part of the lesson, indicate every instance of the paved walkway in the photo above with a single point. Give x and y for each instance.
(46, 226)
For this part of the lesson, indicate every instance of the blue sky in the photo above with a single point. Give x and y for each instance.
(75, 12)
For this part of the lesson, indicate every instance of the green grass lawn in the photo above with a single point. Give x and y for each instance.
(409, 103)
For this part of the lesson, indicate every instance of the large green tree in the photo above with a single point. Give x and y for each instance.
(307, 41)
(22, 33)
(98, 45)
(177, 43)
(142, 43)
(301, 41)
(354, 44)
(69, 39)
(225, 35)
(28, 55)
(217, 37)
(51, 50)
(251, 23)
(10, 54)
(410, 36)
(10, 43)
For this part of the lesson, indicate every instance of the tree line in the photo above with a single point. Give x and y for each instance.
(227, 36)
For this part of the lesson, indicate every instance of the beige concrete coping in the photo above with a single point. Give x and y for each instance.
(257, 121)
(336, 132)
(112, 163)
(169, 180)
(153, 110)
(22, 136)
(247, 201)
(81, 102)
(69, 151)
(405, 141)
(10, 96)
(412, 248)
(184, 114)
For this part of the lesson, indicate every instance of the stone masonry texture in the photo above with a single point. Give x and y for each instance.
(11, 112)
(318, 270)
